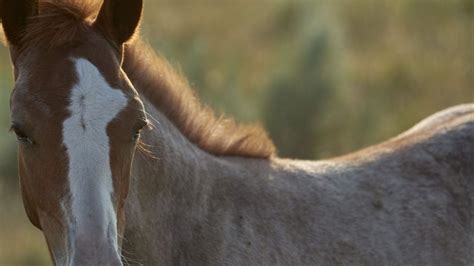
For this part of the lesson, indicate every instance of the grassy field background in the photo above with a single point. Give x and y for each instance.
(325, 77)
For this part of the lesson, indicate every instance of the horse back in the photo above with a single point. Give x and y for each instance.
(409, 199)
(426, 174)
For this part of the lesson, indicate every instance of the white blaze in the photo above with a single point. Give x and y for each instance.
(93, 105)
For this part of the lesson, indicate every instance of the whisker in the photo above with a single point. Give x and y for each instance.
(125, 255)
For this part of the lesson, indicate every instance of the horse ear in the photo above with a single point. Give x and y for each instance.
(14, 15)
(119, 19)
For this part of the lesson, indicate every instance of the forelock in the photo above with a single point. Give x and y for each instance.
(59, 22)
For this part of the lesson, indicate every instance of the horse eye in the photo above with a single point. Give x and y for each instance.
(143, 124)
(21, 136)
(136, 136)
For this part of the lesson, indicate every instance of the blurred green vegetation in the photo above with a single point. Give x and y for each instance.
(325, 77)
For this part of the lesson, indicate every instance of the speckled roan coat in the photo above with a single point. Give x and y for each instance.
(407, 201)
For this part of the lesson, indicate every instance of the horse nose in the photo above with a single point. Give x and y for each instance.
(105, 260)
(90, 254)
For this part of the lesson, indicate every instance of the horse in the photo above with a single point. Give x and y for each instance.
(119, 163)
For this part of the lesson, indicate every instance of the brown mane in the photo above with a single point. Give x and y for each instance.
(58, 24)
(172, 95)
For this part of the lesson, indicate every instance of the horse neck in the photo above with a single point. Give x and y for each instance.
(169, 183)
(170, 161)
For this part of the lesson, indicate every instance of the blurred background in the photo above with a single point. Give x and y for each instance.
(325, 77)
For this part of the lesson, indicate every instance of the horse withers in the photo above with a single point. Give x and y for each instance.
(120, 163)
